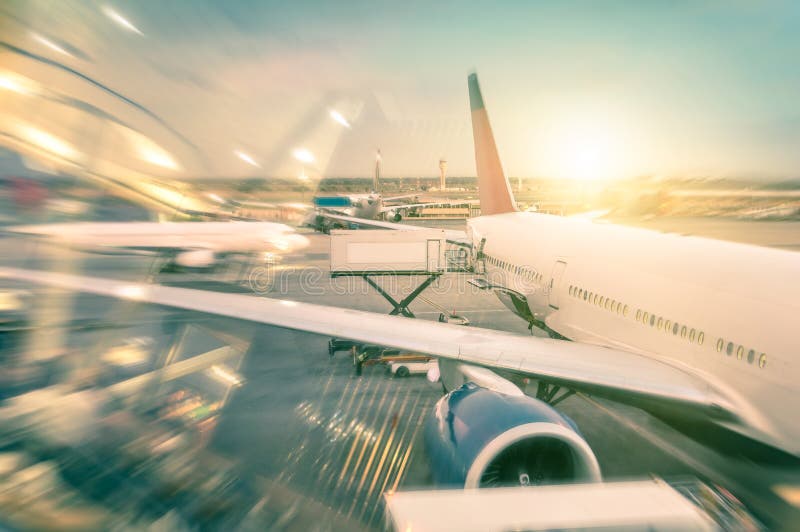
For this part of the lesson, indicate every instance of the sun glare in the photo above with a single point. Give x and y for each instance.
(586, 151)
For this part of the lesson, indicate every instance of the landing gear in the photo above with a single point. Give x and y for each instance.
(547, 393)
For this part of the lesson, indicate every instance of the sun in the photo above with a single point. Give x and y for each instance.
(586, 150)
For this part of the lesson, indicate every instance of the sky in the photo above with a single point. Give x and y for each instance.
(586, 90)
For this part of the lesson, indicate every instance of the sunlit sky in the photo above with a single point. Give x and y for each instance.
(587, 90)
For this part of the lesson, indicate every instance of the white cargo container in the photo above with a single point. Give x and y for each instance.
(386, 252)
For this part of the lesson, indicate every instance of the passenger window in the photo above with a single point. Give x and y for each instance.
(740, 352)
(667, 325)
(692, 334)
(652, 319)
(645, 317)
(638, 315)
(751, 355)
(762, 361)
(585, 295)
(594, 300)
(720, 343)
(675, 329)
(625, 311)
(701, 337)
(729, 349)
(683, 331)
(660, 323)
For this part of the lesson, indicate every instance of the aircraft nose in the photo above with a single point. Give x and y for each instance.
(288, 242)
(298, 242)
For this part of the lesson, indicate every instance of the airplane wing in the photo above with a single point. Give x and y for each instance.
(452, 235)
(614, 373)
(395, 198)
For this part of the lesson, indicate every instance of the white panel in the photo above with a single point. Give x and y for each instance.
(380, 252)
(433, 255)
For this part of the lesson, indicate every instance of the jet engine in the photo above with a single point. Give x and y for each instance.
(476, 437)
(394, 216)
(198, 258)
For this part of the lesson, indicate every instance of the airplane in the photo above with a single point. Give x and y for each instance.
(189, 244)
(369, 206)
(339, 210)
(694, 330)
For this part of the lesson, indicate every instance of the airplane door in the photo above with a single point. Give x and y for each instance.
(555, 282)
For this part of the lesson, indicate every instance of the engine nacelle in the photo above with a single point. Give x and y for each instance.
(394, 216)
(477, 437)
(198, 258)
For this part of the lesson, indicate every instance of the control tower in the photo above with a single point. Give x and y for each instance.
(376, 178)
(442, 174)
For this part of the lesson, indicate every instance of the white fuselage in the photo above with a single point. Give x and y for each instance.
(367, 206)
(722, 310)
(219, 237)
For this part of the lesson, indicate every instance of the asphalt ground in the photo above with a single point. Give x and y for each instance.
(308, 430)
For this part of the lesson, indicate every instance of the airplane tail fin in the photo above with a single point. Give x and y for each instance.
(493, 187)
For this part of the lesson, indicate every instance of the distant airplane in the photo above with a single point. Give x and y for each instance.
(371, 206)
(339, 209)
(190, 244)
(697, 331)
